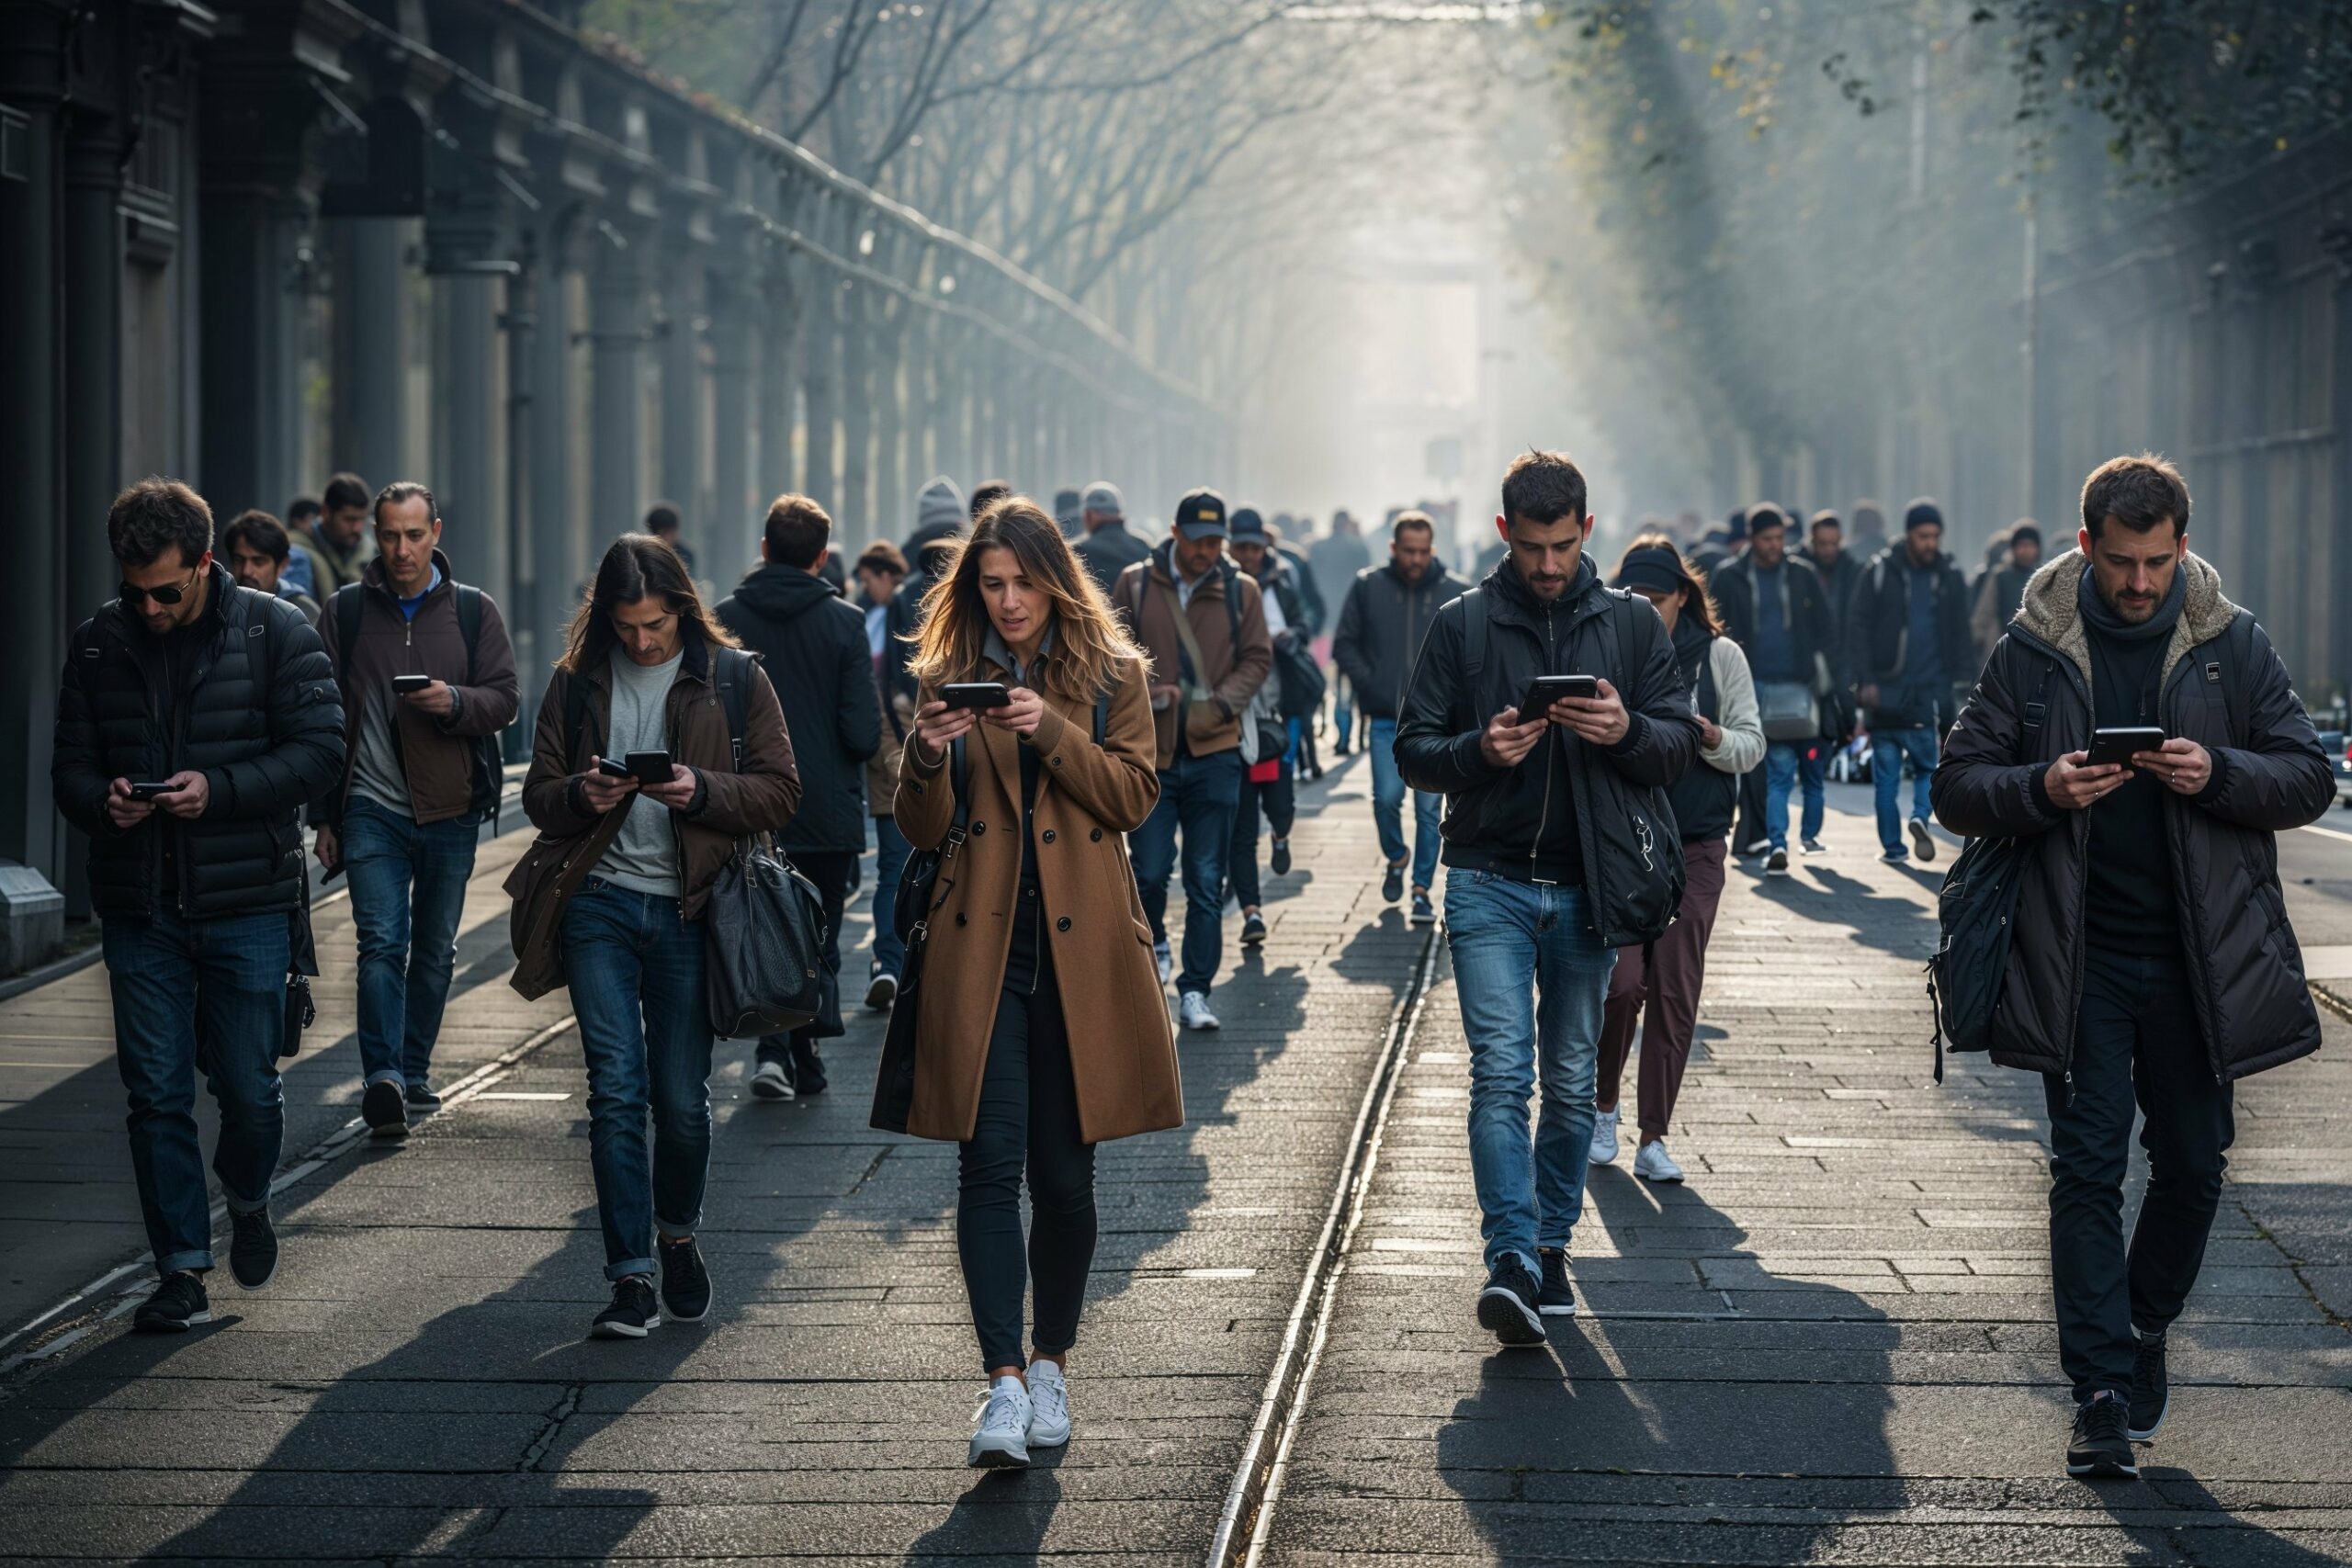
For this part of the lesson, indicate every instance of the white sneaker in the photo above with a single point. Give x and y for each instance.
(1604, 1138)
(1192, 1007)
(1654, 1164)
(772, 1082)
(1000, 1434)
(1049, 1406)
(1166, 960)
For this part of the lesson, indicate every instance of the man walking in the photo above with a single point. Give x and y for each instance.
(1203, 626)
(1907, 643)
(259, 552)
(1107, 548)
(2152, 965)
(428, 681)
(1773, 608)
(664, 523)
(302, 526)
(1839, 569)
(1270, 784)
(1387, 613)
(815, 642)
(2003, 589)
(1337, 559)
(1563, 849)
(194, 717)
(339, 535)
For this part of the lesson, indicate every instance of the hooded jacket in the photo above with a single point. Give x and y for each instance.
(1381, 628)
(2221, 685)
(1108, 551)
(1145, 595)
(1877, 629)
(816, 643)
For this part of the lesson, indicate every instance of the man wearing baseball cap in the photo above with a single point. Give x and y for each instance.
(1204, 625)
(1107, 548)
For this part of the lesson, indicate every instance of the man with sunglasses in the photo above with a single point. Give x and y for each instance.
(194, 718)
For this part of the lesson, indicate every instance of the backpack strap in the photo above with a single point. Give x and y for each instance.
(575, 714)
(732, 674)
(2037, 713)
(469, 624)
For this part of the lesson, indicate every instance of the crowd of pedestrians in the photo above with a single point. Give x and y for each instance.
(1587, 755)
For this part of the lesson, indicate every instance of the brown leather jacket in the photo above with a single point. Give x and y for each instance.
(1145, 595)
(729, 806)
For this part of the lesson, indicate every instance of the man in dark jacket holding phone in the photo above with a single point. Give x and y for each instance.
(2151, 962)
(1562, 849)
(1907, 646)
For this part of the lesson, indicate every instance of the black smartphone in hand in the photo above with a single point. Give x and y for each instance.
(612, 770)
(1545, 690)
(149, 789)
(650, 767)
(409, 686)
(976, 695)
(2114, 747)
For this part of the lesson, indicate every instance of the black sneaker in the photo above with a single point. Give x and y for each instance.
(633, 1312)
(882, 990)
(1424, 912)
(2101, 1446)
(686, 1282)
(1554, 1299)
(1923, 844)
(1507, 1304)
(423, 1095)
(2150, 1392)
(177, 1305)
(1279, 861)
(1392, 884)
(1253, 930)
(253, 1248)
(384, 1110)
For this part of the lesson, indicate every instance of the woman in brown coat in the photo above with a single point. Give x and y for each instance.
(1034, 922)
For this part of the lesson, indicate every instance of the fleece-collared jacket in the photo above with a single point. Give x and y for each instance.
(1145, 594)
(2221, 685)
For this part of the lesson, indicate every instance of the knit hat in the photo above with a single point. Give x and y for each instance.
(1201, 515)
(940, 504)
(1920, 514)
(1738, 530)
(1103, 496)
(1763, 515)
(1652, 567)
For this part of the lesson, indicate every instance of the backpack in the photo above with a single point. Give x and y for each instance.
(1252, 743)
(349, 604)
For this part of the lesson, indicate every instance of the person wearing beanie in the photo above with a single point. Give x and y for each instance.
(1907, 646)
(1772, 606)
(1269, 787)
(1108, 548)
(940, 521)
(2001, 590)
(1066, 510)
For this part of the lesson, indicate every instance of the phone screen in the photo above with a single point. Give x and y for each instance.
(650, 767)
(1545, 690)
(404, 685)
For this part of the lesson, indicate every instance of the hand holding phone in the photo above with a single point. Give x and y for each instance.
(409, 686)
(1545, 690)
(2115, 747)
(976, 695)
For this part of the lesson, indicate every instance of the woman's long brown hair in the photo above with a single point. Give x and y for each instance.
(638, 566)
(1696, 600)
(1090, 642)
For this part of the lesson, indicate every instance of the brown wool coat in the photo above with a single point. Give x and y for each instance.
(1088, 798)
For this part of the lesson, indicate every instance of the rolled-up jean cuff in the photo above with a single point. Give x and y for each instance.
(385, 1075)
(622, 1271)
(194, 1262)
(244, 1205)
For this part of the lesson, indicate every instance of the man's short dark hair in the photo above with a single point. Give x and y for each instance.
(797, 531)
(2141, 492)
(988, 495)
(299, 512)
(1421, 520)
(1765, 514)
(662, 519)
(1543, 487)
(155, 515)
(398, 493)
(344, 491)
(882, 556)
(258, 532)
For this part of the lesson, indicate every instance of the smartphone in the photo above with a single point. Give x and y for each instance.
(407, 685)
(976, 695)
(612, 770)
(650, 767)
(2116, 744)
(1545, 690)
(149, 791)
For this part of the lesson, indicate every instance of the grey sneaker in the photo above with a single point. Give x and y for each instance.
(1923, 844)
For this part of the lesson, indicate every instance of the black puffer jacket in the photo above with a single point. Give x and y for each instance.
(814, 647)
(1381, 628)
(1877, 629)
(265, 742)
(1496, 817)
(2224, 687)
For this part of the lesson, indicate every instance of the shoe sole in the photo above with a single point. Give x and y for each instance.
(1567, 1311)
(169, 1325)
(772, 1091)
(623, 1330)
(1506, 1316)
(1049, 1439)
(2103, 1470)
(1923, 842)
(1659, 1180)
(1422, 920)
(1253, 938)
(878, 996)
(993, 1457)
(388, 1132)
(1776, 871)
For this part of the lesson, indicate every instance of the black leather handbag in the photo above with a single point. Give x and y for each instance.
(763, 946)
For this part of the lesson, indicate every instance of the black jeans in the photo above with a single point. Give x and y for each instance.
(1279, 797)
(2136, 1037)
(831, 871)
(1028, 1117)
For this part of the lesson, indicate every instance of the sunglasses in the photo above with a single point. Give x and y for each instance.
(167, 594)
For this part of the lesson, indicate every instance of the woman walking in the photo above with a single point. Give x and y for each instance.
(1661, 983)
(609, 900)
(1036, 924)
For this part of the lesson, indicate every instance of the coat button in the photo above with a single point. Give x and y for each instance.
(916, 787)
(1055, 762)
(1049, 835)
(1094, 835)
(959, 916)
(978, 828)
(1062, 924)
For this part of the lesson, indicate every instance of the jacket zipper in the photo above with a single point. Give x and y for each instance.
(1550, 753)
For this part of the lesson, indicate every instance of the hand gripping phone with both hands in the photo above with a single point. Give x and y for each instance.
(1545, 690)
(2115, 746)
(976, 695)
(645, 767)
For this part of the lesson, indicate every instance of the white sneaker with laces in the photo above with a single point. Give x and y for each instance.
(1049, 1406)
(1192, 1007)
(1604, 1138)
(772, 1082)
(1654, 1164)
(1000, 1434)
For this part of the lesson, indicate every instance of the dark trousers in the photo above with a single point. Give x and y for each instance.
(1279, 797)
(1752, 789)
(831, 870)
(1028, 1119)
(2136, 1039)
(1662, 993)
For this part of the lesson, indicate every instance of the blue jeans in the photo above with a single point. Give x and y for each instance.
(1344, 708)
(1532, 975)
(408, 890)
(1200, 795)
(1888, 747)
(190, 994)
(636, 975)
(1812, 773)
(1780, 778)
(1388, 803)
(890, 849)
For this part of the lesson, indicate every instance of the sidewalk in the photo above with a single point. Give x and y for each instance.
(417, 1383)
(1833, 1343)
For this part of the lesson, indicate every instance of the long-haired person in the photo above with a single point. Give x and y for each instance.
(1038, 926)
(610, 898)
(1660, 984)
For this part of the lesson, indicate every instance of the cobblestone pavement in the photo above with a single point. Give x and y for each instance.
(1833, 1344)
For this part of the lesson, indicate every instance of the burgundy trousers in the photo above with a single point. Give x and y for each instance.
(1667, 989)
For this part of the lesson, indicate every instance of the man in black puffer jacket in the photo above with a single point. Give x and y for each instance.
(195, 718)
(815, 648)
(2150, 960)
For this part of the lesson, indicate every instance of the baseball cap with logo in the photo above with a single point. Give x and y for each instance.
(1201, 515)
